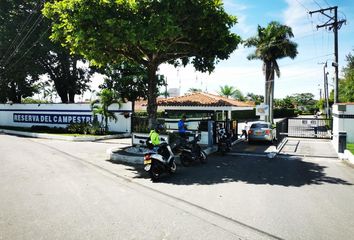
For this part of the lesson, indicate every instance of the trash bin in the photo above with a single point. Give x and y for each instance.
(342, 141)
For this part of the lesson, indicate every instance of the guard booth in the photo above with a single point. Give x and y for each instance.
(206, 105)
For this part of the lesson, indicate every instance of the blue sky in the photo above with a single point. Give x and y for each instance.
(303, 74)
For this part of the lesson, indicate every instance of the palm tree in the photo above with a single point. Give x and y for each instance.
(272, 43)
(107, 98)
(227, 91)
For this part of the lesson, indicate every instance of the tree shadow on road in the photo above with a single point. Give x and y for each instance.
(278, 171)
(253, 170)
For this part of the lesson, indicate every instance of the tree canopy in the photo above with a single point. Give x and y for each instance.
(26, 54)
(346, 85)
(145, 32)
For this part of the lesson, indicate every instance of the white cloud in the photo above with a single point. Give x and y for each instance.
(296, 16)
(239, 10)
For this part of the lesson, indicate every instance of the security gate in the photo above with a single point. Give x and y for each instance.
(304, 128)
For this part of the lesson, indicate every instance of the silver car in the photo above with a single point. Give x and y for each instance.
(261, 131)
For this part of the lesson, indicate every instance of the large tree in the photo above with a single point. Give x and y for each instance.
(346, 85)
(146, 32)
(66, 71)
(20, 32)
(26, 53)
(129, 80)
(272, 43)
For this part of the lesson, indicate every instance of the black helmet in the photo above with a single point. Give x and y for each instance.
(159, 127)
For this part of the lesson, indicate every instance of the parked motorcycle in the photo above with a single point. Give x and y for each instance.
(156, 163)
(190, 151)
(223, 145)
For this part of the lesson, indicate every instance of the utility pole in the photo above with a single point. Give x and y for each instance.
(334, 24)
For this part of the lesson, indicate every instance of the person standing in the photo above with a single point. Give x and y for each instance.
(182, 128)
(244, 130)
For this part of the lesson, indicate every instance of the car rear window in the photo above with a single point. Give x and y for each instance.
(259, 125)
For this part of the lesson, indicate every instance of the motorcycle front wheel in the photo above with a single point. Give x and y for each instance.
(173, 167)
(203, 157)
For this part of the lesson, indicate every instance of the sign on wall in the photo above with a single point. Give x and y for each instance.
(51, 118)
(262, 110)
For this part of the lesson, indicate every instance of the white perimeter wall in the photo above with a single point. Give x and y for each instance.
(343, 122)
(51, 115)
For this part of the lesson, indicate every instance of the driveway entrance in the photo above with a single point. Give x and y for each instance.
(309, 148)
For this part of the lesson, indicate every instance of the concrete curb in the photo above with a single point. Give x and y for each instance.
(114, 156)
(346, 156)
(66, 138)
(281, 145)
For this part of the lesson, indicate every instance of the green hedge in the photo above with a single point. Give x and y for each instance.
(244, 115)
(284, 112)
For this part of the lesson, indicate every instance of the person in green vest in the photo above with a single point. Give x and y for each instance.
(155, 136)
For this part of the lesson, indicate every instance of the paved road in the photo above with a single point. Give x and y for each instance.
(65, 190)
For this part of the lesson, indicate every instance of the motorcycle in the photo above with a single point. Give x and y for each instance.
(156, 163)
(223, 145)
(191, 152)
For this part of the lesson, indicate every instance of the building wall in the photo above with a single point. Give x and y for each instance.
(343, 121)
(60, 115)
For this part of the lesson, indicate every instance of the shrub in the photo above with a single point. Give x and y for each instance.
(284, 112)
(79, 128)
(46, 129)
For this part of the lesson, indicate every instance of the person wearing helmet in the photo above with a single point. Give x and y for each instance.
(155, 136)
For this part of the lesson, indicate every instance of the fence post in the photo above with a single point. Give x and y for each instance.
(210, 133)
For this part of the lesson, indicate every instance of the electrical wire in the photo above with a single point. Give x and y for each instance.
(28, 19)
(33, 45)
(317, 3)
(327, 3)
(303, 6)
(31, 30)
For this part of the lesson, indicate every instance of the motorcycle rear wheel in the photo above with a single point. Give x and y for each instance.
(154, 173)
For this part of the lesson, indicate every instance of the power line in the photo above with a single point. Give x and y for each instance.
(317, 3)
(327, 3)
(33, 45)
(31, 30)
(303, 5)
(28, 19)
(333, 24)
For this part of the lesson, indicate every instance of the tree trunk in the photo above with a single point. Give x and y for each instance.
(132, 116)
(152, 96)
(271, 98)
(267, 91)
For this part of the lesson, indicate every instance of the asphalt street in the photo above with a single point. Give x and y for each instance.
(68, 190)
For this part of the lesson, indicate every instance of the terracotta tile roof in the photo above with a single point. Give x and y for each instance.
(203, 99)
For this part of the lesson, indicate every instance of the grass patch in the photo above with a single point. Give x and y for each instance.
(350, 147)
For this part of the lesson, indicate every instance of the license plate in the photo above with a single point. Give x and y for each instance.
(258, 133)
(147, 167)
(147, 161)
